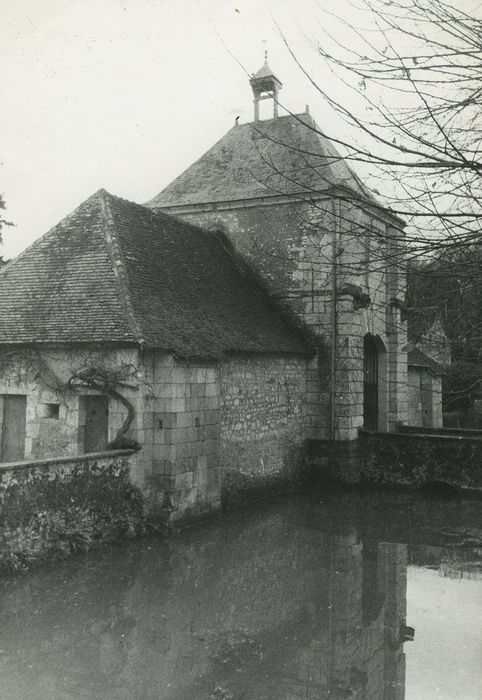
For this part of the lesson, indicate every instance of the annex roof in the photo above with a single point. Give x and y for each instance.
(286, 155)
(117, 272)
(417, 358)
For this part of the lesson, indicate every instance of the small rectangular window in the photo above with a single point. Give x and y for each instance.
(52, 410)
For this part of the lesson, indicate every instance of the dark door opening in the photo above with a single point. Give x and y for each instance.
(13, 428)
(96, 411)
(370, 383)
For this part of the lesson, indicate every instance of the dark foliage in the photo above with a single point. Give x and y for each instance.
(451, 285)
(47, 515)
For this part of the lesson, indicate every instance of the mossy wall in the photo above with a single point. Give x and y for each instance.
(53, 508)
(405, 459)
(409, 459)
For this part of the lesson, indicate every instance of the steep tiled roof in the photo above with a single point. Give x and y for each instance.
(286, 155)
(116, 272)
(63, 288)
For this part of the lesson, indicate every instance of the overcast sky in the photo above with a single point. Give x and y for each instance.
(124, 94)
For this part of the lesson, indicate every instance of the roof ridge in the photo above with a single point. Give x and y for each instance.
(118, 264)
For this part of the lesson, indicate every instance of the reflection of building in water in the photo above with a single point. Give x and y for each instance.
(266, 611)
(357, 650)
(306, 619)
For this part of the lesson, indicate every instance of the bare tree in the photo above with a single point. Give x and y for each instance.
(407, 87)
(3, 222)
(406, 90)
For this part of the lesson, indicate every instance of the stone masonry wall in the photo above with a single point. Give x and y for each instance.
(424, 398)
(41, 376)
(297, 248)
(181, 424)
(404, 459)
(262, 420)
(409, 459)
(195, 421)
(228, 427)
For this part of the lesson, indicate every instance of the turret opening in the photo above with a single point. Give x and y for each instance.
(265, 86)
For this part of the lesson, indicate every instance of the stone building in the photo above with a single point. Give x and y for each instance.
(251, 305)
(428, 357)
(323, 246)
(119, 302)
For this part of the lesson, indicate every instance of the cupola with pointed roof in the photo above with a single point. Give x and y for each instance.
(265, 86)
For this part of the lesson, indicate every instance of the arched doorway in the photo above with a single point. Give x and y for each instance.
(374, 383)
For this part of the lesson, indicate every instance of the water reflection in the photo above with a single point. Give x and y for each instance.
(297, 600)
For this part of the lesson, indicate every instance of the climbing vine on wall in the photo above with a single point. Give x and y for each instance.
(107, 382)
(27, 365)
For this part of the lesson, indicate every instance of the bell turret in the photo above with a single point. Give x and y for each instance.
(265, 86)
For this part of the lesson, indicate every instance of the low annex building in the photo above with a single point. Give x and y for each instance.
(250, 306)
(119, 311)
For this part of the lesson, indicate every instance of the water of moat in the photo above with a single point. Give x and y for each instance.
(309, 596)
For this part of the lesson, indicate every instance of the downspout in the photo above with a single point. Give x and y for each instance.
(334, 339)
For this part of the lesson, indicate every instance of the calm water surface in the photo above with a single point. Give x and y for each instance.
(307, 597)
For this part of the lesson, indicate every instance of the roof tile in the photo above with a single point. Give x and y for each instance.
(114, 271)
(287, 155)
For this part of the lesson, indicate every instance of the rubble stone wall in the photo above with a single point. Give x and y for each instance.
(224, 428)
(399, 459)
(263, 403)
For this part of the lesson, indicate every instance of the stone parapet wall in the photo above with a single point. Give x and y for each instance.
(51, 508)
(409, 459)
(463, 432)
(403, 459)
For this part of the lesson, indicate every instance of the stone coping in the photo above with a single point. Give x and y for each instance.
(439, 431)
(48, 461)
(430, 436)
